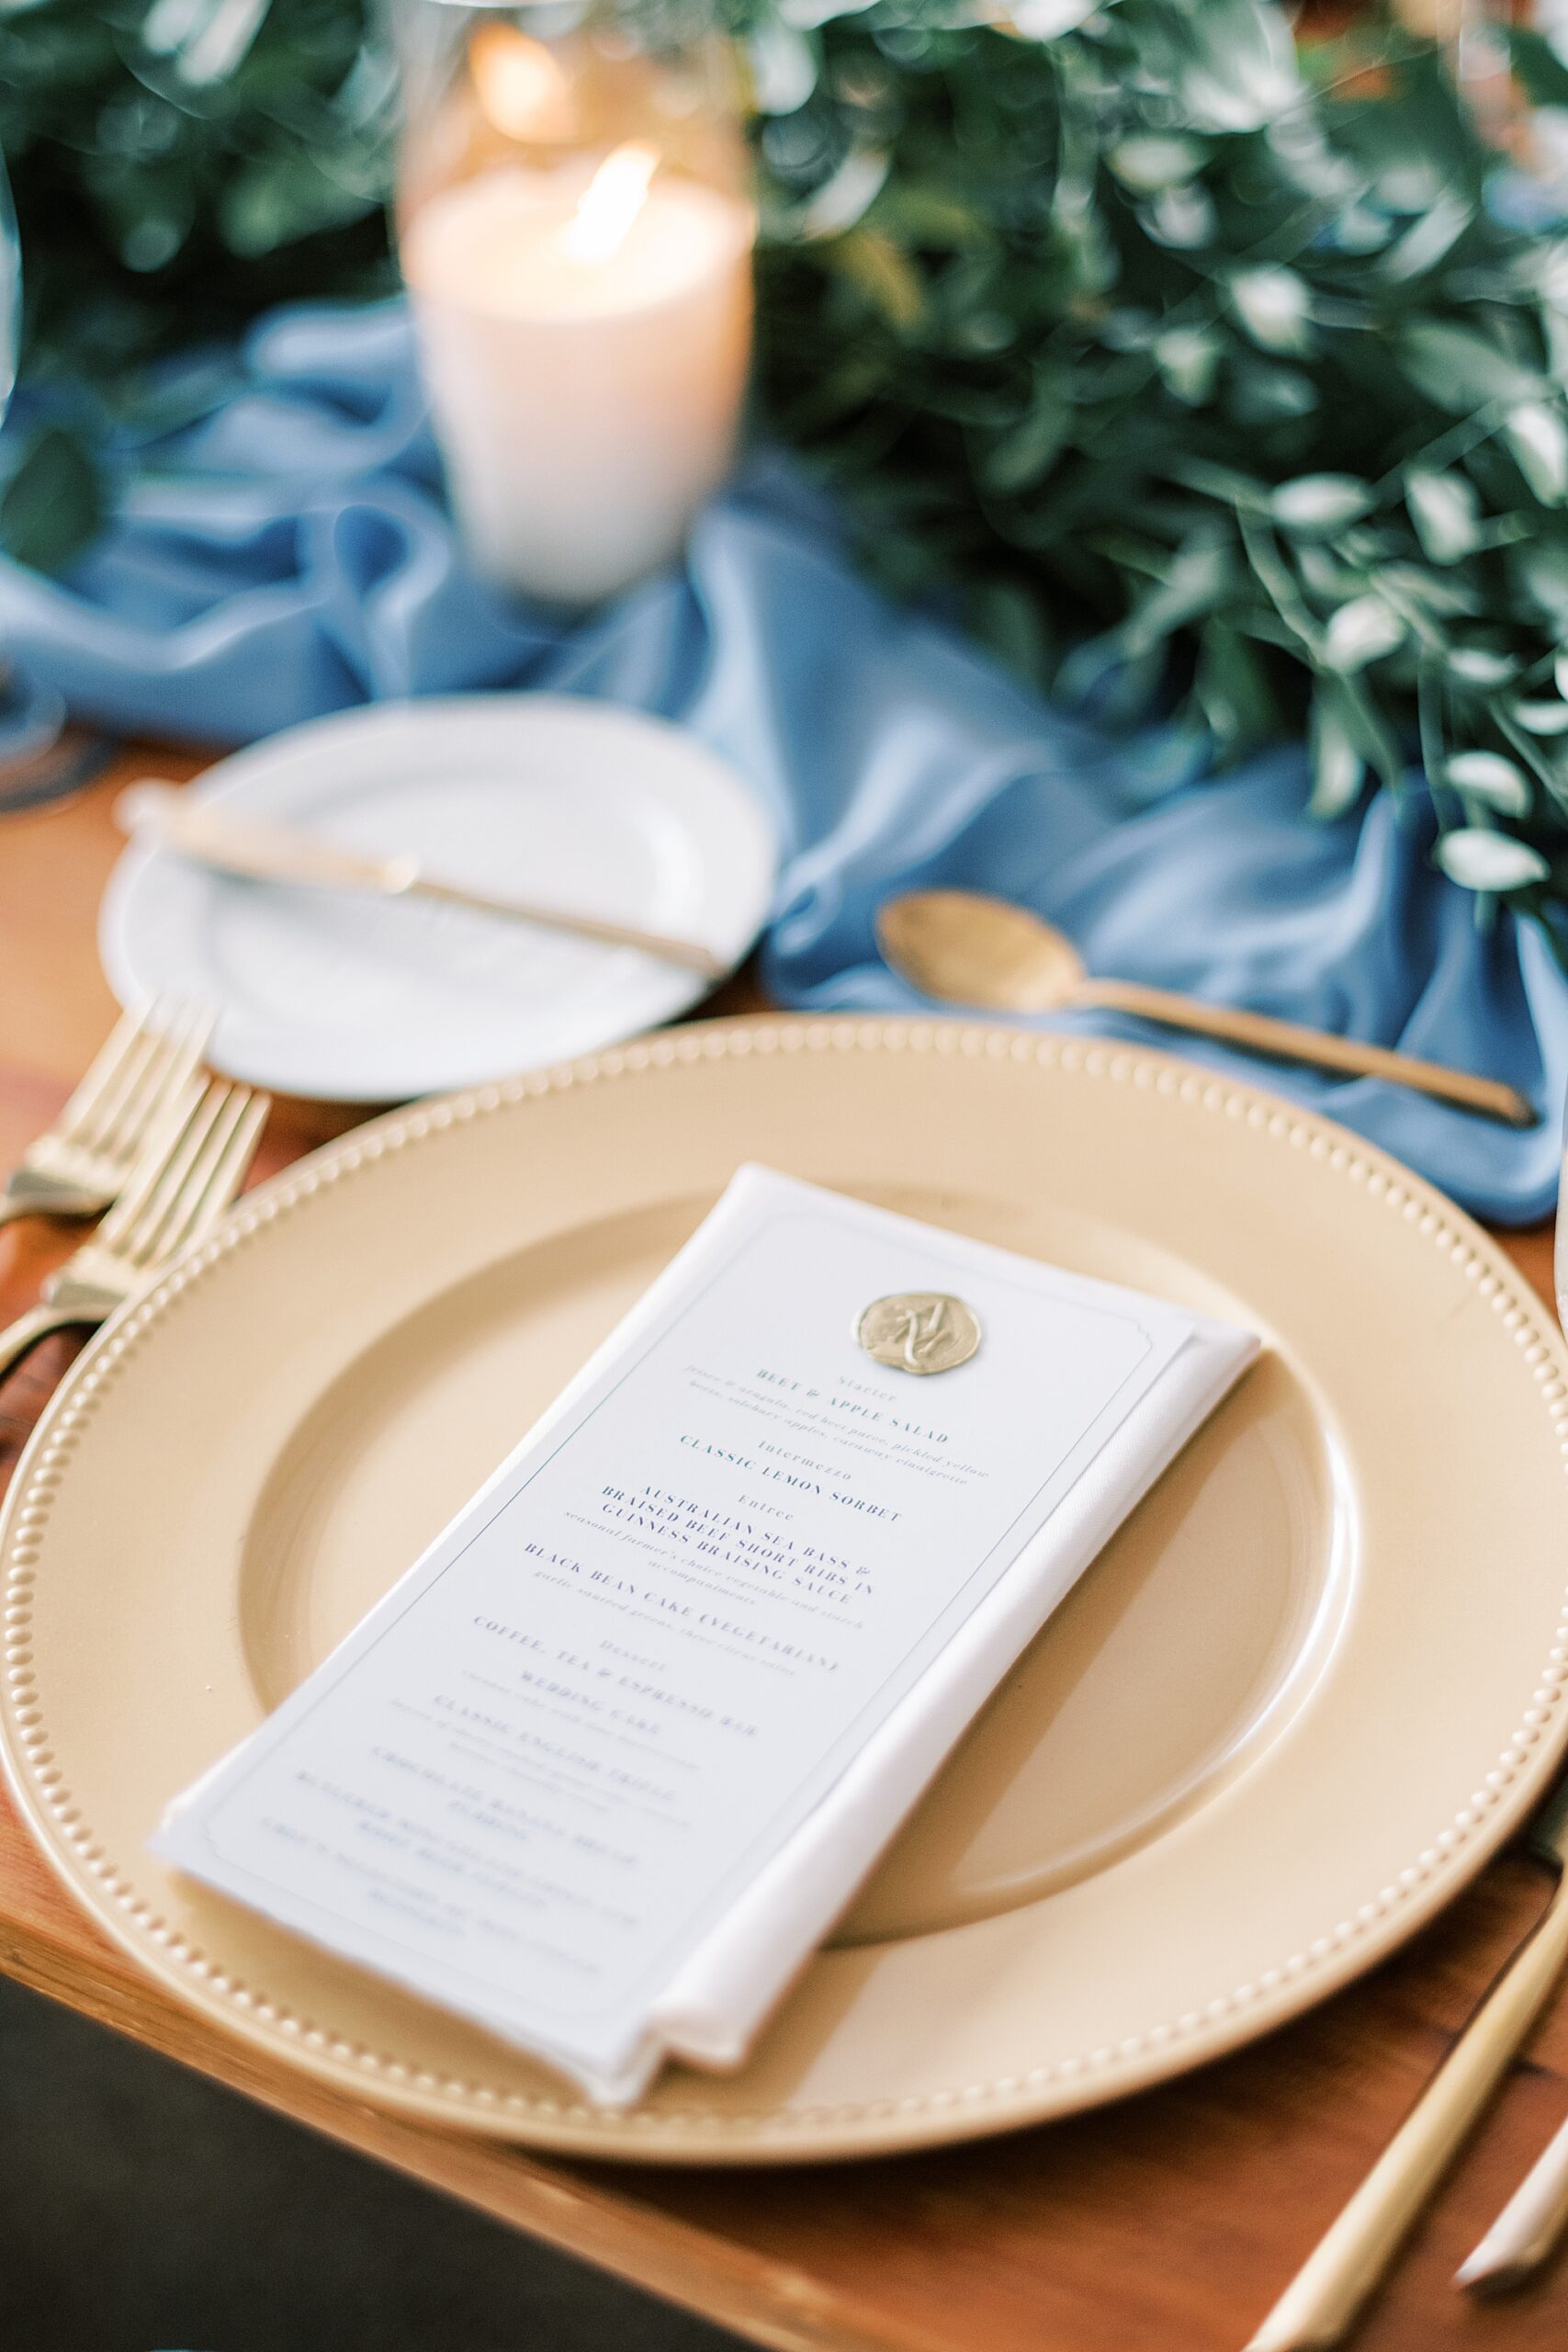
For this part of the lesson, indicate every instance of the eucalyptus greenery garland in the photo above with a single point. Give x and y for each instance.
(1202, 372)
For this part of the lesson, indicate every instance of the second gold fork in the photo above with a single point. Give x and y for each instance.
(187, 1174)
(81, 1163)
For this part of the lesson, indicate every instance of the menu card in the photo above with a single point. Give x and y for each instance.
(604, 1765)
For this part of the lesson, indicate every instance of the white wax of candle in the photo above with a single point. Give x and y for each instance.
(586, 406)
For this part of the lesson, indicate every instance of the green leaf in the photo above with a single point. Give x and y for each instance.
(1360, 230)
(1263, 393)
(1488, 776)
(1008, 618)
(1459, 369)
(889, 281)
(916, 214)
(1352, 709)
(1540, 567)
(1478, 859)
(1274, 306)
(1433, 237)
(275, 201)
(53, 505)
(1324, 572)
(1541, 717)
(1539, 439)
(1243, 492)
(1232, 689)
(1236, 65)
(1476, 666)
(1181, 217)
(1447, 593)
(208, 40)
(1361, 631)
(840, 201)
(783, 67)
(1314, 506)
(1195, 582)
(1150, 160)
(1338, 769)
(1189, 359)
(1048, 19)
(1025, 455)
(1446, 512)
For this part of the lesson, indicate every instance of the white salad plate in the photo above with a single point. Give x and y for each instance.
(355, 999)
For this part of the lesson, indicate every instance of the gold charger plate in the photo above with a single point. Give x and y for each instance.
(1313, 1683)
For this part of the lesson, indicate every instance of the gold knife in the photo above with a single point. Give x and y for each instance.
(1531, 2223)
(1323, 2300)
(211, 835)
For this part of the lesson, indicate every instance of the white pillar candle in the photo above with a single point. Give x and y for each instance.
(585, 339)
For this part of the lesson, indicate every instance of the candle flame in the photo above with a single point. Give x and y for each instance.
(521, 86)
(610, 202)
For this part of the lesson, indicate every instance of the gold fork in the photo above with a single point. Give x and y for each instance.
(80, 1164)
(186, 1175)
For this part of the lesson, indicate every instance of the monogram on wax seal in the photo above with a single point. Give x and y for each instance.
(920, 1330)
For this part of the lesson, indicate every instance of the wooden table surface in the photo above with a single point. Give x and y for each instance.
(1166, 2223)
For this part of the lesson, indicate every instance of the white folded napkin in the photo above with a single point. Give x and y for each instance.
(849, 1556)
(711, 2011)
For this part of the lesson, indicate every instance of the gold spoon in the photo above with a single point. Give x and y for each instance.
(963, 948)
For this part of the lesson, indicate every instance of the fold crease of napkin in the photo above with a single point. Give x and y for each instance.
(292, 554)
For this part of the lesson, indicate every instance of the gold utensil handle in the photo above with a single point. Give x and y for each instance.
(1529, 2227)
(26, 1331)
(265, 852)
(268, 852)
(1293, 1041)
(1348, 2263)
(688, 953)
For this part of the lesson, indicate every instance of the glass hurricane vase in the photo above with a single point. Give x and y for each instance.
(576, 232)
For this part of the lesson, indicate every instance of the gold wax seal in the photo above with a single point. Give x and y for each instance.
(920, 1330)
